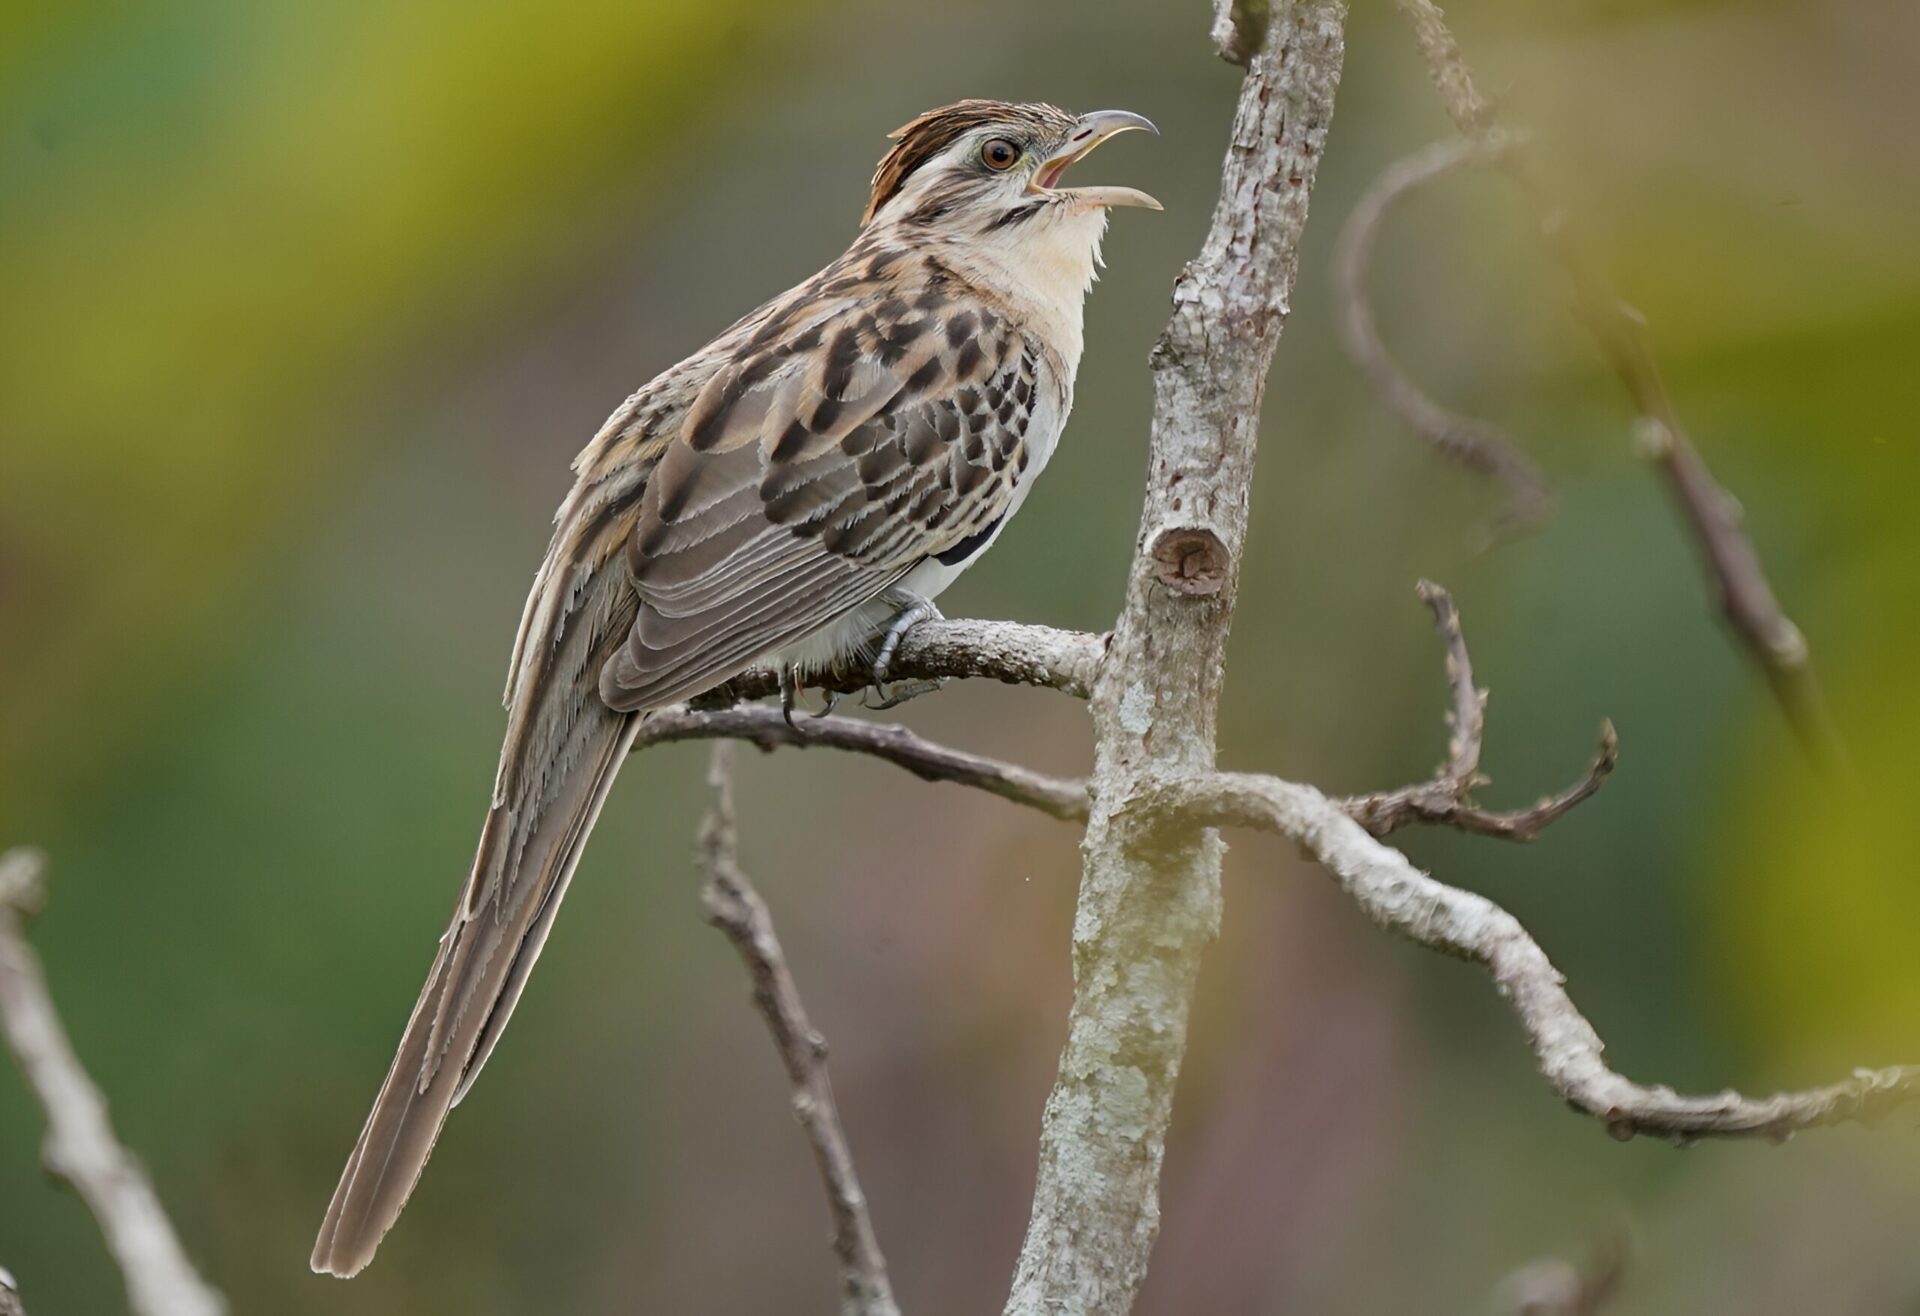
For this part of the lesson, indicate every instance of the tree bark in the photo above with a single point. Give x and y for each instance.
(1150, 893)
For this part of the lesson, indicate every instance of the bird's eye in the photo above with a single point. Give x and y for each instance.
(999, 154)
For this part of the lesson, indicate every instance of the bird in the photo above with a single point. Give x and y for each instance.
(794, 494)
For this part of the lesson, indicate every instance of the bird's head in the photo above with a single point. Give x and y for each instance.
(989, 169)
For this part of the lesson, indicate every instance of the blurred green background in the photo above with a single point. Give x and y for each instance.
(304, 310)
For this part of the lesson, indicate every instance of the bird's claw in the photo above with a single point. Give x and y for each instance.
(790, 699)
(789, 695)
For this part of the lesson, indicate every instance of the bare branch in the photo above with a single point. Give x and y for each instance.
(1471, 112)
(1732, 565)
(1006, 651)
(80, 1146)
(1400, 898)
(1472, 443)
(766, 727)
(1447, 799)
(736, 909)
(1148, 908)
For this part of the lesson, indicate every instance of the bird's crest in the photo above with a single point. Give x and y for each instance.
(923, 138)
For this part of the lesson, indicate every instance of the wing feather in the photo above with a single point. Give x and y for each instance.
(814, 470)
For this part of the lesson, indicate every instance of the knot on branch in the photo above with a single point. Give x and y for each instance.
(1191, 560)
(1239, 28)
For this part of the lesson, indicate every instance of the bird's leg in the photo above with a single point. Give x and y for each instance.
(915, 611)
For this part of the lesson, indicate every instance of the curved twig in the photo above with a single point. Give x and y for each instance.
(1400, 898)
(1472, 443)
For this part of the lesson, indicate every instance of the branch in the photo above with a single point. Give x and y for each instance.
(1400, 898)
(80, 1146)
(1447, 799)
(736, 909)
(1472, 443)
(1711, 514)
(766, 727)
(1472, 113)
(1006, 651)
(1149, 905)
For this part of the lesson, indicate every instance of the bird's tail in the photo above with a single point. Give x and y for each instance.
(527, 853)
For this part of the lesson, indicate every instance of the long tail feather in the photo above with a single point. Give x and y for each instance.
(476, 980)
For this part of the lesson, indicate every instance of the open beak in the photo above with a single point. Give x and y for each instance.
(1092, 130)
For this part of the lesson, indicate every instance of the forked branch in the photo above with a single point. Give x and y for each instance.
(1400, 898)
(1447, 799)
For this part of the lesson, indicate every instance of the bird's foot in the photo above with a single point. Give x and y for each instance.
(916, 611)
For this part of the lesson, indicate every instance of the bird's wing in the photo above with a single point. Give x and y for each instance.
(828, 457)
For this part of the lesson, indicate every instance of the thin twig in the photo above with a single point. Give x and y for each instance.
(766, 727)
(1473, 443)
(736, 909)
(1400, 898)
(1471, 112)
(1447, 798)
(81, 1147)
(1712, 516)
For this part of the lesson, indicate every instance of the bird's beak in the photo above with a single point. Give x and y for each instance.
(1092, 130)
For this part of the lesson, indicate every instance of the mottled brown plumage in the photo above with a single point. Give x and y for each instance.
(832, 458)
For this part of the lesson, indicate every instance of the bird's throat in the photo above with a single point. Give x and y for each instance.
(1041, 270)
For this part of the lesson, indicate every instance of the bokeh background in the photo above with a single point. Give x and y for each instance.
(304, 310)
